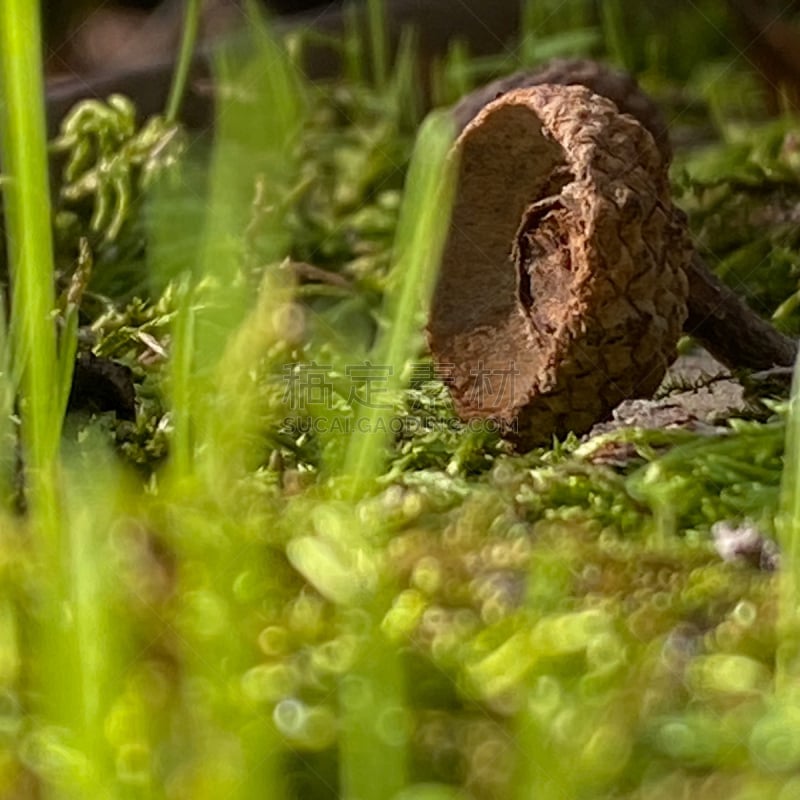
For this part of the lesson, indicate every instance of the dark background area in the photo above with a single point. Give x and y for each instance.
(80, 35)
(86, 40)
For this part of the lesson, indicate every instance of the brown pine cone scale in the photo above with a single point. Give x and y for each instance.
(618, 86)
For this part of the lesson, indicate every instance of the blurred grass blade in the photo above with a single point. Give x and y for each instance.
(620, 44)
(95, 492)
(252, 165)
(352, 45)
(9, 384)
(31, 349)
(379, 42)
(260, 110)
(180, 381)
(373, 747)
(68, 339)
(787, 668)
(421, 234)
(373, 695)
(405, 84)
(222, 335)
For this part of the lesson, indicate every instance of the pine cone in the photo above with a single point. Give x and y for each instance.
(562, 290)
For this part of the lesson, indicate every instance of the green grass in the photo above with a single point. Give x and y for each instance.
(215, 601)
(27, 204)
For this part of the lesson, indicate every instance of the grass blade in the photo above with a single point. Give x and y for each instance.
(787, 668)
(23, 145)
(420, 238)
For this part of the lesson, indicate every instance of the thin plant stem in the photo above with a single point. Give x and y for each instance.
(190, 27)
